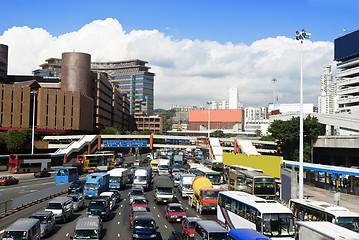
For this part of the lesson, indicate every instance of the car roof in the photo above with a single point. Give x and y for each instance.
(22, 224)
(193, 219)
(42, 213)
(136, 188)
(139, 209)
(74, 194)
(174, 205)
(139, 197)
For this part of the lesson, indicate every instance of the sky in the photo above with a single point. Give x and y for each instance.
(197, 49)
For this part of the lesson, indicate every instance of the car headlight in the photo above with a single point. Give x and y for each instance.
(173, 216)
(153, 236)
(191, 235)
(135, 235)
(88, 213)
(42, 230)
(103, 212)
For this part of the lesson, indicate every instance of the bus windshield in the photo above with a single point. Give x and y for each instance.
(214, 178)
(278, 224)
(351, 223)
(115, 179)
(91, 186)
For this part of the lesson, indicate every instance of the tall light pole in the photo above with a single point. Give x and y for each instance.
(301, 36)
(33, 122)
(274, 80)
(209, 121)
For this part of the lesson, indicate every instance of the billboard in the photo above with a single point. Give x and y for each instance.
(346, 46)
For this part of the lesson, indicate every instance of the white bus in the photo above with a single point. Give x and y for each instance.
(311, 210)
(243, 210)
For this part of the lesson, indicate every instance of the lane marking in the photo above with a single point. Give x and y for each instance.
(165, 226)
(67, 234)
(158, 215)
(186, 208)
(119, 213)
(121, 205)
(197, 215)
(118, 223)
(118, 235)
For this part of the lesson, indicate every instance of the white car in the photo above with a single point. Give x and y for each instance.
(112, 197)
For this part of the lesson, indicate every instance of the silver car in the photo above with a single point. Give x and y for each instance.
(78, 201)
(47, 221)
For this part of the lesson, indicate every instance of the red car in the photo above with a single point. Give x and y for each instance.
(139, 201)
(175, 212)
(188, 225)
(7, 180)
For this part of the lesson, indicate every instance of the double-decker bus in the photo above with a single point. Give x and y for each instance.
(237, 209)
(65, 175)
(25, 163)
(311, 210)
(256, 183)
(97, 161)
(213, 176)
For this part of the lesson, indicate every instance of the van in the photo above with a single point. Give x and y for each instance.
(99, 207)
(47, 221)
(144, 226)
(209, 229)
(111, 197)
(88, 227)
(23, 228)
(62, 208)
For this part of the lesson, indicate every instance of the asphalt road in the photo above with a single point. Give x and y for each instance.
(117, 227)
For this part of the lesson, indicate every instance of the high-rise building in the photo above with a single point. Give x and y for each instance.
(346, 53)
(233, 98)
(328, 92)
(3, 62)
(131, 77)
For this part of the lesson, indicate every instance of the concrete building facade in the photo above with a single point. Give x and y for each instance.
(346, 53)
(151, 123)
(233, 98)
(328, 92)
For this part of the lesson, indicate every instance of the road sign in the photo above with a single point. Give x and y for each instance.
(124, 143)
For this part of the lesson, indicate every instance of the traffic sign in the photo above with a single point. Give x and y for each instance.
(124, 143)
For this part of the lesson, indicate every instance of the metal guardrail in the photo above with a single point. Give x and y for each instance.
(19, 203)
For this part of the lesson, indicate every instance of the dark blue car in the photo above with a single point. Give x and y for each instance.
(144, 226)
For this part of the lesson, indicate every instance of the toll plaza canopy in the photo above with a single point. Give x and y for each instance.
(323, 168)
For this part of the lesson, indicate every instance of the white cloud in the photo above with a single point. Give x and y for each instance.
(188, 72)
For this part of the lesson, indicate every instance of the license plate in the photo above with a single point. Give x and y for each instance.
(213, 208)
(164, 200)
(178, 219)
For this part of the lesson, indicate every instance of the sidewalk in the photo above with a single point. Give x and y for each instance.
(346, 200)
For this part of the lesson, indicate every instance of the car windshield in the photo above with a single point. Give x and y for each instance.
(75, 199)
(278, 224)
(41, 218)
(177, 177)
(176, 209)
(51, 205)
(165, 191)
(139, 201)
(209, 194)
(115, 179)
(94, 204)
(136, 192)
(144, 224)
(91, 186)
(191, 224)
(218, 236)
(14, 235)
(85, 234)
(351, 223)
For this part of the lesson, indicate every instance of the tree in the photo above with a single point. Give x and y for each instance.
(3, 139)
(18, 141)
(258, 132)
(287, 135)
(110, 130)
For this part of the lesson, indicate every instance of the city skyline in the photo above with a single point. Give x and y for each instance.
(192, 63)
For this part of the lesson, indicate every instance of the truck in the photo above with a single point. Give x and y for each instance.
(185, 185)
(118, 178)
(154, 165)
(96, 183)
(142, 177)
(317, 230)
(178, 162)
(163, 189)
(163, 167)
(204, 197)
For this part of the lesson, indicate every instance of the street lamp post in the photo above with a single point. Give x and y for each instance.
(33, 122)
(301, 36)
(209, 122)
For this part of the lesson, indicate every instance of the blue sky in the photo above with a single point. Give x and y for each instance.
(223, 21)
(198, 49)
